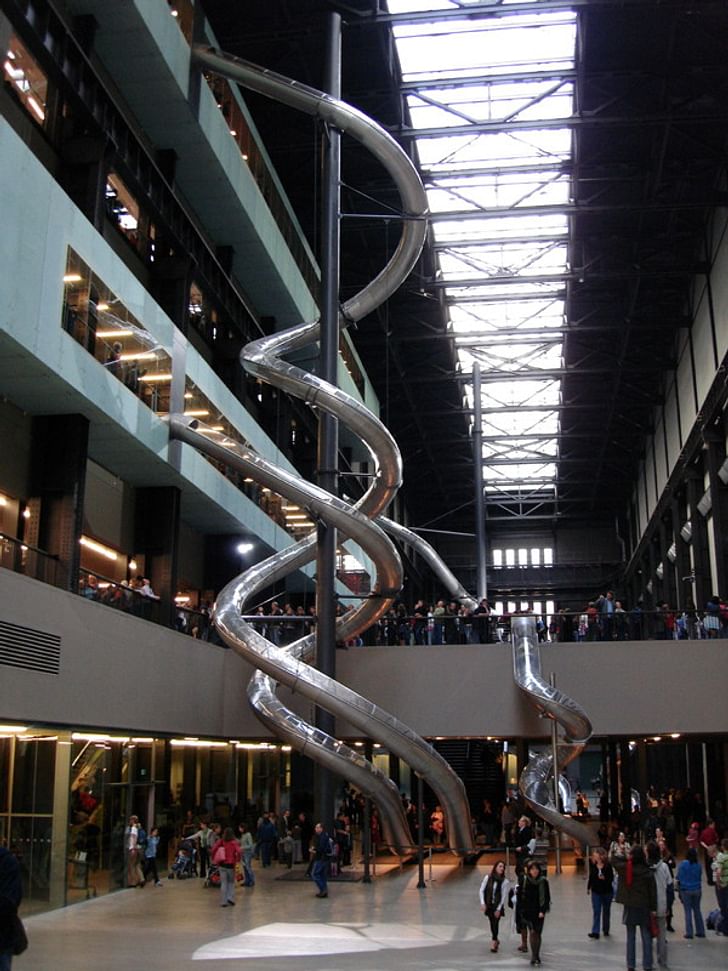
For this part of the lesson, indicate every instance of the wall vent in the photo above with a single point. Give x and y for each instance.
(33, 650)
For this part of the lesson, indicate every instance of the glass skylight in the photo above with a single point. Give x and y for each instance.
(490, 97)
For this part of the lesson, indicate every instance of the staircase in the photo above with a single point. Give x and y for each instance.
(475, 761)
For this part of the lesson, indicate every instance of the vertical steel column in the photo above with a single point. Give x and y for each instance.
(366, 832)
(555, 757)
(480, 537)
(420, 834)
(328, 442)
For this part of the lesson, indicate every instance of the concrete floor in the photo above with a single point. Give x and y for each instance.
(389, 925)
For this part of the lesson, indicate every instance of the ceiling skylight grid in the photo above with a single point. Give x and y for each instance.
(498, 185)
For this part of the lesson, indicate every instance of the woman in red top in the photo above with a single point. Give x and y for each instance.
(225, 854)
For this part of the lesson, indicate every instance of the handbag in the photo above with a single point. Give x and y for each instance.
(20, 938)
(653, 925)
(219, 856)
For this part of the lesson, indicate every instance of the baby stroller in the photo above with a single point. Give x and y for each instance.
(185, 862)
(213, 876)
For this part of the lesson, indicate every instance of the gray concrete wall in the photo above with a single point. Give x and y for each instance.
(119, 672)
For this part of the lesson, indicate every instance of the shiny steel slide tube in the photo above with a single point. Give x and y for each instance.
(262, 358)
(288, 665)
(551, 703)
(449, 581)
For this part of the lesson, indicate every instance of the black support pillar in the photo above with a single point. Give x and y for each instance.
(58, 483)
(328, 445)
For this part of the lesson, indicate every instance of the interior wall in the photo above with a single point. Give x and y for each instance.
(191, 687)
(15, 434)
(700, 351)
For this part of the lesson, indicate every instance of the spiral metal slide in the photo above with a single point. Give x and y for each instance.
(536, 782)
(263, 358)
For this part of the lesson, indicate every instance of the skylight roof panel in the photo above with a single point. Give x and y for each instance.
(501, 297)
(538, 145)
(521, 472)
(509, 316)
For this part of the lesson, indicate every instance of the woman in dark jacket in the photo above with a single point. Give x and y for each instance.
(601, 879)
(535, 904)
(637, 891)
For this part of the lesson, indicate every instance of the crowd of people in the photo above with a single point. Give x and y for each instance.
(644, 876)
(443, 621)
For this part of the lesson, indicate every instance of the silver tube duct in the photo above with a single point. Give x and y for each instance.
(366, 131)
(262, 358)
(287, 665)
(449, 581)
(552, 703)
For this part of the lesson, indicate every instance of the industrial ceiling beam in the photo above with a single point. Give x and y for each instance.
(715, 200)
(490, 11)
(498, 127)
(574, 276)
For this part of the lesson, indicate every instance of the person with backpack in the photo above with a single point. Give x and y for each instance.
(321, 848)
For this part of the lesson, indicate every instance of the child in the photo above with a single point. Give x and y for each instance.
(535, 904)
(150, 857)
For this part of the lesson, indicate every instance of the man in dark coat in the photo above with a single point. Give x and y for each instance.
(321, 850)
(11, 892)
(522, 840)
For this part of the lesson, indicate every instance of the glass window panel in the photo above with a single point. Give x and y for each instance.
(24, 78)
(510, 557)
(497, 557)
(33, 774)
(536, 560)
(5, 744)
(523, 557)
(548, 557)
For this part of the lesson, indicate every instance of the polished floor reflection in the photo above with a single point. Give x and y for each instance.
(389, 925)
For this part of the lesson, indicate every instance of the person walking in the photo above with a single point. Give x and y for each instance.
(689, 880)
(599, 885)
(663, 883)
(720, 880)
(150, 858)
(535, 904)
(11, 893)
(637, 892)
(524, 843)
(247, 848)
(321, 847)
(494, 891)
(206, 838)
(134, 849)
(225, 854)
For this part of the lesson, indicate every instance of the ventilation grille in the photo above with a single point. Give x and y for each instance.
(34, 650)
